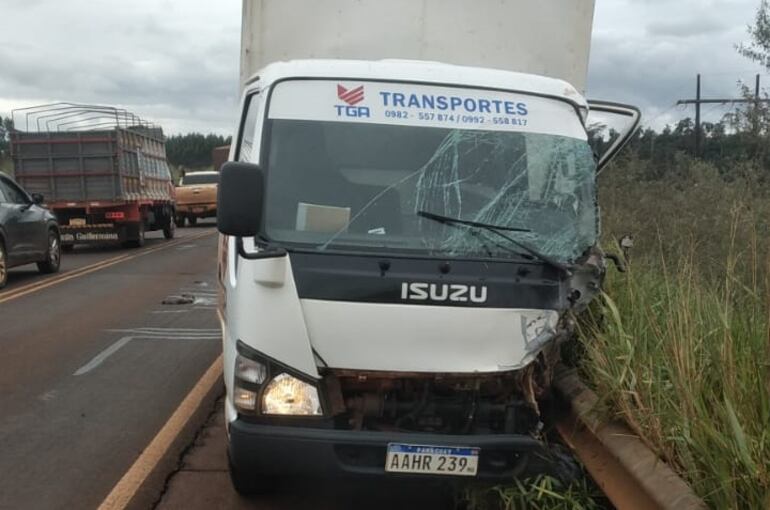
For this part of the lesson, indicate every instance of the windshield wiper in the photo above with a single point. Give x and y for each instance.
(496, 229)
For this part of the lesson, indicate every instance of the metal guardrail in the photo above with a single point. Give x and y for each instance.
(629, 473)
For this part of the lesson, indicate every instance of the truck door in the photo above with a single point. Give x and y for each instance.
(23, 222)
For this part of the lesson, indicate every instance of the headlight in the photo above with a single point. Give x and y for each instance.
(249, 370)
(536, 331)
(248, 375)
(245, 399)
(287, 395)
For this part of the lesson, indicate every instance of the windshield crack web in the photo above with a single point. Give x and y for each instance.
(533, 182)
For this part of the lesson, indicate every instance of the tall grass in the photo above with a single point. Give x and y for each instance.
(541, 493)
(679, 347)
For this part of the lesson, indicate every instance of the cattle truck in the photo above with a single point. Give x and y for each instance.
(102, 170)
(409, 218)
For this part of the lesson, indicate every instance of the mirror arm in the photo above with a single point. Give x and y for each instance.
(265, 254)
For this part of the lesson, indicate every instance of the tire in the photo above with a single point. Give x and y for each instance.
(52, 260)
(247, 483)
(192, 220)
(138, 236)
(3, 266)
(170, 229)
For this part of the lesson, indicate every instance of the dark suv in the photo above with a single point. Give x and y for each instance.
(28, 232)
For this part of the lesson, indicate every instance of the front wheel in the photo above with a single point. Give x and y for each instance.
(52, 259)
(3, 266)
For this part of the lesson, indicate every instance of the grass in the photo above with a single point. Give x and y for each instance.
(679, 347)
(542, 493)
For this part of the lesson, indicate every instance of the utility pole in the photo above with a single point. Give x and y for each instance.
(698, 101)
(755, 120)
(698, 130)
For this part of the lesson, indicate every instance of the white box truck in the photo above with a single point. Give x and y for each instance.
(403, 240)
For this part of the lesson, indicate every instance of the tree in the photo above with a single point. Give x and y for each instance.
(759, 48)
(6, 126)
(193, 150)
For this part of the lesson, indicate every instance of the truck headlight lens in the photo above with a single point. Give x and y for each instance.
(249, 370)
(244, 399)
(287, 395)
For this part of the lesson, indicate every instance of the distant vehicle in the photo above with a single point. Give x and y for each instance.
(102, 169)
(196, 197)
(219, 156)
(28, 231)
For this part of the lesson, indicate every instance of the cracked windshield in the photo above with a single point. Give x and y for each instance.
(361, 185)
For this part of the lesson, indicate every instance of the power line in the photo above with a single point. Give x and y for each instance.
(698, 101)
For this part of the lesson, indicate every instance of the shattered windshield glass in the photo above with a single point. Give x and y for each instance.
(344, 185)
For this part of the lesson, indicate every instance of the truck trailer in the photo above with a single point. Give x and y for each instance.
(408, 222)
(101, 170)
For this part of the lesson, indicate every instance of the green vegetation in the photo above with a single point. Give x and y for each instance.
(679, 347)
(543, 493)
(193, 150)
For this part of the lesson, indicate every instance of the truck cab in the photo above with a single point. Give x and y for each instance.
(402, 243)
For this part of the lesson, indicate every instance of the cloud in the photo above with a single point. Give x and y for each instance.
(685, 28)
(648, 52)
(174, 63)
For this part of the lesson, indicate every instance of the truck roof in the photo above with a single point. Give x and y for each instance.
(415, 71)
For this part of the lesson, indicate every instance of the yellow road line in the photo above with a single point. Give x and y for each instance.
(133, 479)
(34, 287)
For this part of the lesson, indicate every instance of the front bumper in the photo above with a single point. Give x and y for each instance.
(204, 210)
(84, 234)
(287, 450)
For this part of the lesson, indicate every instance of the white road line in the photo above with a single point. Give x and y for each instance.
(99, 358)
(169, 331)
(201, 334)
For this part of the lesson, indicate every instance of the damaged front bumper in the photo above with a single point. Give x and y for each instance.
(290, 450)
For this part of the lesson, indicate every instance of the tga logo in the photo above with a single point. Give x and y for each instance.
(456, 293)
(351, 97)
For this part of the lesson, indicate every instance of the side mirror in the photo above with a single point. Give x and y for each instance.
(37, 198)
(240, 196)
(610, 126)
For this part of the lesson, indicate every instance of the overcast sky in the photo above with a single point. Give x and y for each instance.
(176, 61)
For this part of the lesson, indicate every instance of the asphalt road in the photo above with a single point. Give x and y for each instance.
(94, 367)
(92, 364)
(202, 483)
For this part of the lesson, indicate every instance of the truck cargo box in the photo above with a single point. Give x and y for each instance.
(116, 165)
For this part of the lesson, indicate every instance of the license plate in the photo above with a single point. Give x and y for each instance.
(77, 222)
(432, 460)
